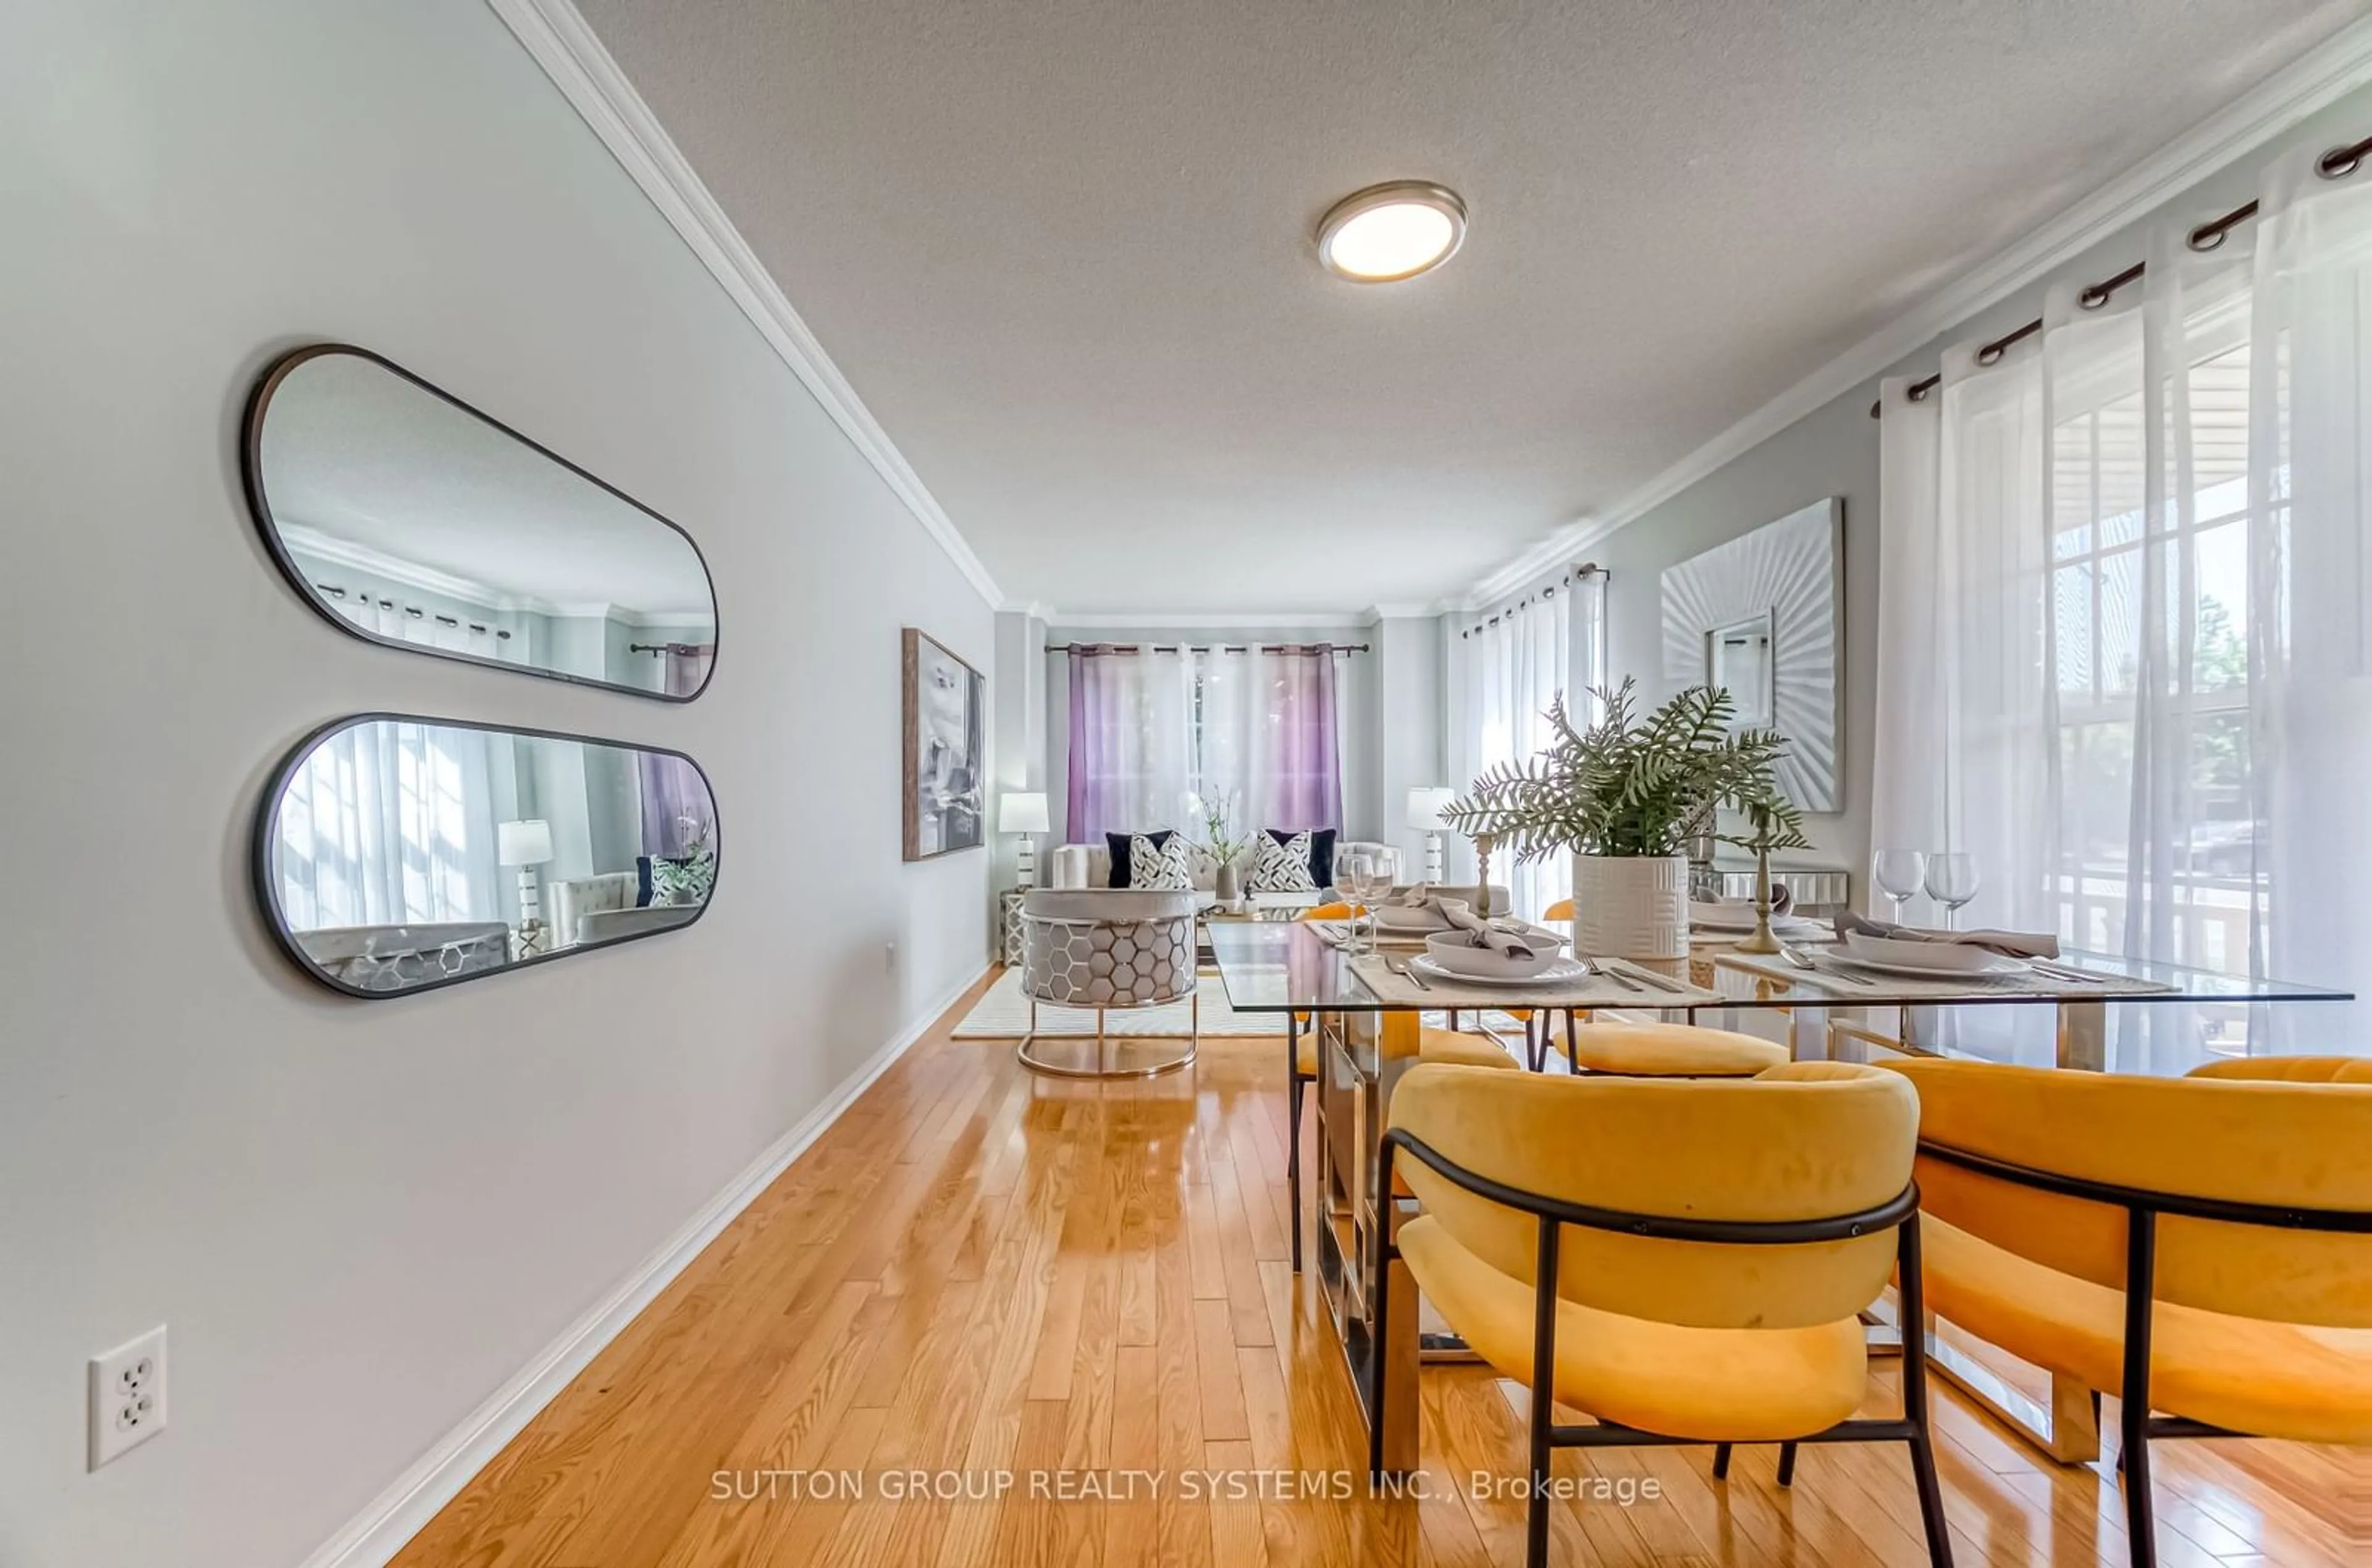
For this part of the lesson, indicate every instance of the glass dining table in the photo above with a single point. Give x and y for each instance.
(2097, 1013)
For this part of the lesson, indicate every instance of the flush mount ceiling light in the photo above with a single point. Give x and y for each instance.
(1386, 233)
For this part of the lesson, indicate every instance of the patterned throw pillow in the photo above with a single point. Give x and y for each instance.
(1284, 867)
(685, 881)
(1117, 845)
(1164, 866)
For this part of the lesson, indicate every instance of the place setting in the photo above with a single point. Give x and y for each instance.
(1916, 962)
(1429, 947)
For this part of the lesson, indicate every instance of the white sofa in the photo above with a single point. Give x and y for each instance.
(1089, 866)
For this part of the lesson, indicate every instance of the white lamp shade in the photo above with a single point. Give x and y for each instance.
(523, 843)
(1426, 805)
(1022, 813)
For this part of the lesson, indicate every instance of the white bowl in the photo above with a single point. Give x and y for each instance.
(1455, 951)
(1407, 917)
(1962, 956)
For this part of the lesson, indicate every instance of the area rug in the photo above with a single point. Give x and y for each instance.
(1002, 1013)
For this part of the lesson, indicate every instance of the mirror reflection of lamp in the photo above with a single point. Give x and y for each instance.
(525, 845)
(1024, 812)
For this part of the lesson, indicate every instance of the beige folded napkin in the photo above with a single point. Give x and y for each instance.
(1506, 943)
(2009, 944)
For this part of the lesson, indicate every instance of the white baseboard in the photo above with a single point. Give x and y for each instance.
(395, 1515)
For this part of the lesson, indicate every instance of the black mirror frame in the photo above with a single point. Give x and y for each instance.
(267, 833)
(258, 506)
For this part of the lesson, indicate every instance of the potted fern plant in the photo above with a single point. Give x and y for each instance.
(1625, 797)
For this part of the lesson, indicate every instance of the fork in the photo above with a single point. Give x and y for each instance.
(1796, 958)
(1602, 972)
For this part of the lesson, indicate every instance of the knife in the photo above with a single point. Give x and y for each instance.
(1660, 982)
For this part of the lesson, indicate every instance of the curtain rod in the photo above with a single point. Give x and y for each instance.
(413, 611)
(2336, 164)
(1109, 648)
(1587, 569)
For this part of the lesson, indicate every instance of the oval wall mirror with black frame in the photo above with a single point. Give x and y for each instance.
(411, 519)
(395, 854)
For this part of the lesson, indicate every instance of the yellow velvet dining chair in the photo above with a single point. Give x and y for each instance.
(2198, 1245)
(1301, 1071)
(1685, 1262)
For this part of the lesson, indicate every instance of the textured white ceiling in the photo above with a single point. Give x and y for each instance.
(1062, 248)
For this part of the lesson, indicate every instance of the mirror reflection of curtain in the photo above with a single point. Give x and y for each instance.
(677, 810)
(389, 823)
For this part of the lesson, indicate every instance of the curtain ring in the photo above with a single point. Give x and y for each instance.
(2092, 298)
(1917, 394)
(2206, 237)
(2338, 163)
(1990, 354)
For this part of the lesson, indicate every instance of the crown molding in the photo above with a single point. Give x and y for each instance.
(338, 551)
(362, 557)
(2315, 79)
(561, 41)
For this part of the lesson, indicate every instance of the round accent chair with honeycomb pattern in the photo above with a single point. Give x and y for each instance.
(1107, 950)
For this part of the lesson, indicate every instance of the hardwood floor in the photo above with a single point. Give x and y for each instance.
(980, 1272)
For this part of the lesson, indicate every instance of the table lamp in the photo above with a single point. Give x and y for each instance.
(525, 845)
(1426, 805)
(1024, 812)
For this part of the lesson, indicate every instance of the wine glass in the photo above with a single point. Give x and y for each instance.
(1354, 876)
(1952, 881)
(1899, 874)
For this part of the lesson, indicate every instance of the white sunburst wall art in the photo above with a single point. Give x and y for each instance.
(1759, 616)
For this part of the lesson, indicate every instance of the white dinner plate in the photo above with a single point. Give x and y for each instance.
(1564, 972)
(1963, 956)
(1725, 924)
(1995, 969)
(1408, 917)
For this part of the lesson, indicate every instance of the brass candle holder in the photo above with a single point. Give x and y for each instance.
(1482, 844)
(1761, 940)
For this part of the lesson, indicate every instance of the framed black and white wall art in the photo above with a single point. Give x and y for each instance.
(946, 749)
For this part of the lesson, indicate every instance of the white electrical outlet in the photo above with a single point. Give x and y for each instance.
(127, 1396)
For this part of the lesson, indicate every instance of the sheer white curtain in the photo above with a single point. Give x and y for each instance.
(1131, 743)
(1235, 742)
(388, 823)
(2123, 625)
(2310, 569)
(1511, 667)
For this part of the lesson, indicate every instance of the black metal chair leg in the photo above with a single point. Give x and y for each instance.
(1786, 1464)
(1572, 1046)
(2133, 1414)
(1535, 1047)
(1294, 1084)
(1380, 1337)
(1912, 1269)
(1544, 1317)
(1721, 1461)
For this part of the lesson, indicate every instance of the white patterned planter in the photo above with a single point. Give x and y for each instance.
(1631, 906)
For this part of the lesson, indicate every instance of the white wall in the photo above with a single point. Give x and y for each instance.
(360, 1219)
(1406, 732)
